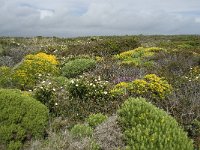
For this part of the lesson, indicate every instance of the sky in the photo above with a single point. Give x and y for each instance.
(73, 18)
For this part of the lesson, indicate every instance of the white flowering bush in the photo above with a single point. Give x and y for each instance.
(52, 93)
(89, 95)
(86, 88)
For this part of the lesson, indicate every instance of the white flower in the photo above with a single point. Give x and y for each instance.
(189, 80)
(39, 75)
(43, 81)
(72, 81)
(105, 92)
(56, 104)
(54, 89)
(49, 83)
(76, 84)
(91, 84)
(99, 78)
(30, 90)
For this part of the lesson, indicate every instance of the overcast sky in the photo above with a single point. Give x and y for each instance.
(69, 18)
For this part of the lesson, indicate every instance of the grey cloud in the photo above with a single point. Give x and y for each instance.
(106, 17)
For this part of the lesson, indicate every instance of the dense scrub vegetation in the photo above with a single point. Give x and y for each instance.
(82, 82)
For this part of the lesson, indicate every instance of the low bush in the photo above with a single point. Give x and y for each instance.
(21, 118)
(148, 127)
(139, 57)
(5, 77)
(96, 119)
(76, 67)
(33, 68)
(53, 93)
(81, 130)
(88, 95)
(151, 86)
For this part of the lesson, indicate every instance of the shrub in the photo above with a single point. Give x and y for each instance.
(138, 57)
(53, 93)
(21, 118)
(96, 119)
(147, 127)
(77, 67)
(151, 86)
(5, 77)
(88, 95)
(86, 88)
(33, 68)
(80, 131)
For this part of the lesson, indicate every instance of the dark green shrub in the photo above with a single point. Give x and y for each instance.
(96, 119)
(21, 118)
(148, 127)
(77, 67)
(81, 130)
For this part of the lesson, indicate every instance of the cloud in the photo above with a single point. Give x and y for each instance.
(68, 18)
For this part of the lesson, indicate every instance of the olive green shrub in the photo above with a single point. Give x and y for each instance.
(81, 131)
(148, 127)
(76, 67)
(21, 118)
(95, 119)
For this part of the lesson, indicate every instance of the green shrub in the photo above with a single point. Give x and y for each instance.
(148, 127)
(5, 77)
(77, 67)
(80, 131)
(96, 119)
(21, 118)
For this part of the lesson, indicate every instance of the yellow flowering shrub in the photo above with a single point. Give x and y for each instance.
(120, 88)
(138, 56)
(151, 86)
(33, 68)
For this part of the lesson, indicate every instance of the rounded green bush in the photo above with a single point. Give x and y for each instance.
(96, 119)
(81, 130)
(148, 127)
(77, 67)
(21, 118)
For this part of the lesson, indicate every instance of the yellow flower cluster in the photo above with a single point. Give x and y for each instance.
(151, 86)
(137, 56)
(43, 56)
(120, 88)
(34, 67)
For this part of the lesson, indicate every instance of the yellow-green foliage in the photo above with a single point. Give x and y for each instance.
(121, 88)
(81, 130)
(146, 127)
(21, 118)
(5, 76)
(138, 57)
(34, 67)
(151, 86)
(95, 119)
